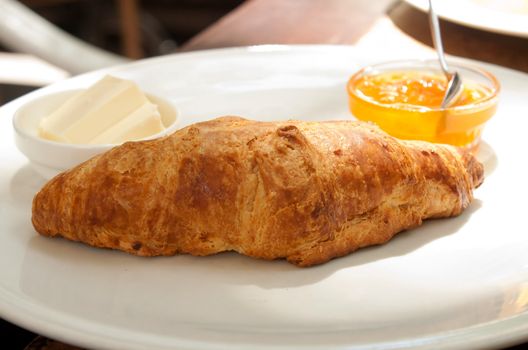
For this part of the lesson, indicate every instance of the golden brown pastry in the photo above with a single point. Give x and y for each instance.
(304, 191)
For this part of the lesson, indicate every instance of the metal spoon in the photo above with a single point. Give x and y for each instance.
(454, 85)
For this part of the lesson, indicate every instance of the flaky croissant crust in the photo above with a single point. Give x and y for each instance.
(304, 191)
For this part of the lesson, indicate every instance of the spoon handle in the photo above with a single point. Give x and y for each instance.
(434, 25)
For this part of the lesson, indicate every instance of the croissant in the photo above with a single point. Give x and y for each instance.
(304, 191)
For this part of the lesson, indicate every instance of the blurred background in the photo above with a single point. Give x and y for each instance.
(127, 28)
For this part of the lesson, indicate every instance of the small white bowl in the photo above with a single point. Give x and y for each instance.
(50, 158)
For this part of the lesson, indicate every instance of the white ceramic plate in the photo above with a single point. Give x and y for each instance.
(508, 17)
(454, 283)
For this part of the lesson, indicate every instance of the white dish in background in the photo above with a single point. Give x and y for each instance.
(453, 283)
(509, 17)
(49, 158)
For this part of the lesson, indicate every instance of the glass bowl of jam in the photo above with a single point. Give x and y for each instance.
(404, 99)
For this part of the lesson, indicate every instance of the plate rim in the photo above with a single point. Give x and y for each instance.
(461, 19)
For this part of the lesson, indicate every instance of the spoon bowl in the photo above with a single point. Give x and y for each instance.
(454, 89)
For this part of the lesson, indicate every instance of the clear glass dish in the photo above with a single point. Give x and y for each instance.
(459, 125)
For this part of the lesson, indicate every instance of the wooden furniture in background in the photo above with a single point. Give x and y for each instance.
(374, 25)
(292, 22)
(130, 28)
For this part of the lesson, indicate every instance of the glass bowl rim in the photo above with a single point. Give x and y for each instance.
(420, 64)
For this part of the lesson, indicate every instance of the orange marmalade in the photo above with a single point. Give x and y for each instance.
(406, 104)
